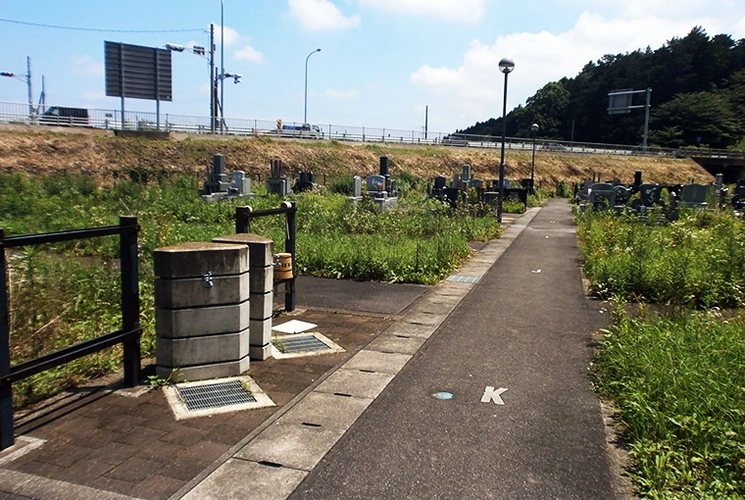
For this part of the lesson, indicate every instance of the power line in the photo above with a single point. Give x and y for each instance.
(98, 29)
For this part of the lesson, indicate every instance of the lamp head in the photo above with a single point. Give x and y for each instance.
(506, 65)
(175, 47)
(534, 127)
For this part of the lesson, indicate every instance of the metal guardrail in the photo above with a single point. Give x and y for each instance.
(128, 335)
(140, 120)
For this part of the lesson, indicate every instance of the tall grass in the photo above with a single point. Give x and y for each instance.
(68, 292)
(697, 261)
(679, 383)
(677, 378)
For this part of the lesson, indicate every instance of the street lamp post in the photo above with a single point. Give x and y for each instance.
(222, 63)
(505, 66)
(305, 112)
(534, 128)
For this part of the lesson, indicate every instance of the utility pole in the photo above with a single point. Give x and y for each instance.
(426, 121)
(30, 92)
(213, 82)
(222, 63)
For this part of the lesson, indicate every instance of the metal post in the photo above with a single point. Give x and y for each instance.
(646, 120)
(130, 299)
(121, 71)
(290, 248)
(534, 128)
(243, 219)
(501, 161)
(222, 64)
(213, 82)
(30, 91)
(305, 112)
(6, 391)
(532, 166)
(426, 121)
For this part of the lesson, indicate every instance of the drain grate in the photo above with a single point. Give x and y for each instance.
(459, 278)
(218, 395)
(303, 343)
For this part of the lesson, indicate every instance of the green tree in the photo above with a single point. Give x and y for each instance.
(699, 118)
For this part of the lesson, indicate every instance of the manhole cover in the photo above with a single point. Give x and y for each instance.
(458, 278)
(218, 395)
(303, 343)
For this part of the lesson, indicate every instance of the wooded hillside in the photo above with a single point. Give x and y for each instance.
(697, 99)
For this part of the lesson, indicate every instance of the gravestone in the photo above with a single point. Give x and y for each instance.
(305, 182)
(376, 186)
(240, 184)
(277, 184)
(650, 195)
(601, 195)
(694, 196)
(738, 196)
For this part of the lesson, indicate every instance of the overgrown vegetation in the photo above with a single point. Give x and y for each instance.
(697, 261)
(676, 378)
(66, 293)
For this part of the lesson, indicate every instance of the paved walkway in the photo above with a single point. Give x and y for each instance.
(478, 389)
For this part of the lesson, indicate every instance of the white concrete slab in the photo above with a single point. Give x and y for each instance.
(326, 409)
(400, 343)
(355, 383)
(291, 445)
(239, 480)
(380, 362)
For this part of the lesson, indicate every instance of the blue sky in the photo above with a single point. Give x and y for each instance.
(381, 61)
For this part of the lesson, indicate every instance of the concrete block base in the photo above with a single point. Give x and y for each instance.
(261, 332)
(201, 350)
(260, 353)
(202, 320)
(203, 372)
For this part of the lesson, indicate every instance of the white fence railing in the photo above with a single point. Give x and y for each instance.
(141, 120)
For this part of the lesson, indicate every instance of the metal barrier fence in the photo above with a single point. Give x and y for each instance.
(128, 335)
(243, 216)
(141, 120)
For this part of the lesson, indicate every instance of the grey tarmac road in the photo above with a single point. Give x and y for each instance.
(522, 423)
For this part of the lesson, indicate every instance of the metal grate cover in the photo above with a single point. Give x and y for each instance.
(299, 344)
(216, 395)
(459, 278)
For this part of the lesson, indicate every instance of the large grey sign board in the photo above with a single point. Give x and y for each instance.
(138, 72)
(619, 101)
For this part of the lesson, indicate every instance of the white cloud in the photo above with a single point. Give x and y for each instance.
(249, 53)
(342, 94)
(448, 10)
(232, 37)
(84, 65)
(474, 89)
(321, 15)
(643, 8)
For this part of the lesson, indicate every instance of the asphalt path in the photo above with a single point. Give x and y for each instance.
(522, 422)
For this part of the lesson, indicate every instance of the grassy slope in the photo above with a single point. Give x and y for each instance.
(101, 154)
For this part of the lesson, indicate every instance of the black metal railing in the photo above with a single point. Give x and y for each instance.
(243, 216)
(128, 335)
